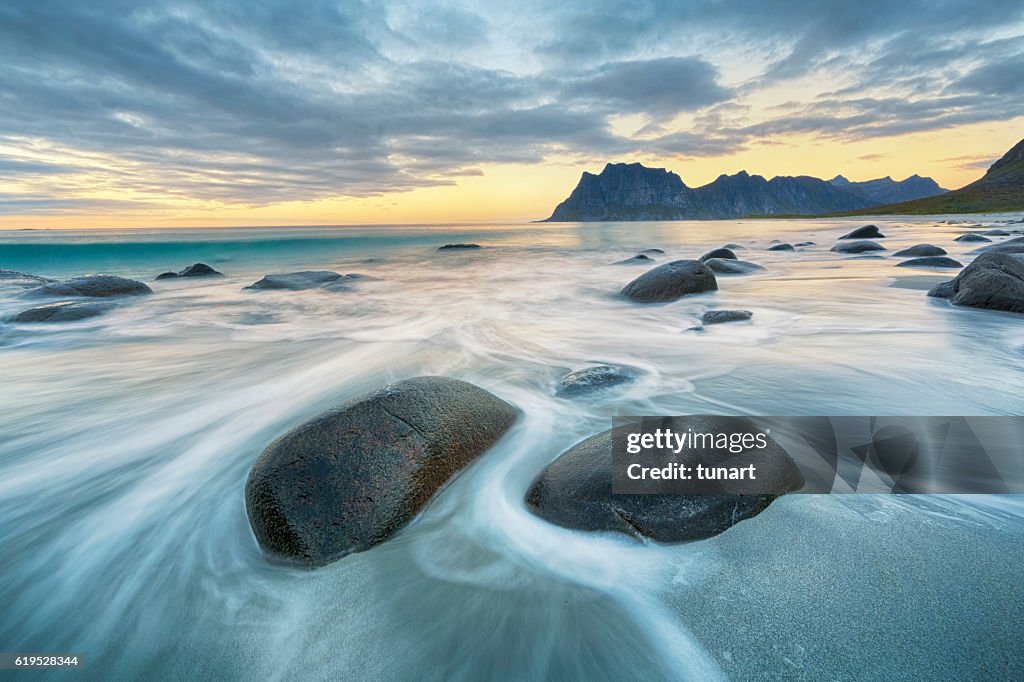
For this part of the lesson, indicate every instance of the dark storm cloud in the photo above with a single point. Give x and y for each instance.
(262, 102)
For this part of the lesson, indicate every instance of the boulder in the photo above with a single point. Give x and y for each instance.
(458, 247)
(62, 312)
(639, 259)
(971, 238)
(1005, 247)
(861, 246)
(353, 476)
(297, 281)
(575, 491)
(732, 267)
(194, 270)
(920, 250)
(720, 316)
(931, 262)
(671, 281)
(593, 379)
(92, 286)
(782, 247)
(866, 232)
(722, 253)
(22, 279)
(994, 281)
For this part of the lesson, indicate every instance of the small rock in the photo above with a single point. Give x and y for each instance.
(972, 238)
(720, 316)
(194, 270)
(62, 312)
(671, 281)
(857, 247)
(798, 244)
(654, 251)
(921, 250)
(866, 232)
(732, 267)
(592, 379)
(639, 259)
(782, 247)
(92, 286)
(930, 262)
(997, 233)
(458, 247)
(296, 281)
(994, 281)
(722, 253)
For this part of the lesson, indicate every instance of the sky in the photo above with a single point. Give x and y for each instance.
(277, 112)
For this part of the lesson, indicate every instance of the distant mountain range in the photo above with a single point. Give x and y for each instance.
(635, 192)
(1000, 189)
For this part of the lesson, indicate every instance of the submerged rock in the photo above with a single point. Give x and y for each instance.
(1005, 247)
(639, 259)
(671, 281)
(857, 247)
(722, 254)
(22, 279)
(732, 267)
(593, 379)
(804, 244)
(194, 270)
(972, 238)
(92, 286)
(575, 491)
(994, 281)
(931, 262)
(866, 232)
(297, 281)
(654, 251)
(782, 247)
(996, 233)
(62, 312)
(353, 476)
(720, 316)
(457, 247)
(919, 250)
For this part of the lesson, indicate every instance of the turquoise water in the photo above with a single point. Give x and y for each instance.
(125, 441)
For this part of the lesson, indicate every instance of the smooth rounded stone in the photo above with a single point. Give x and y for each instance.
(653, 251)
(866, 232)
(92, 286)
(593, 379)
(920, 250)
(734, 246)
(458, 247)
(782, 247)
(575, 491)
(1005, 247)
(861, 246)
(22, 279)
(994, 281)
(671, 281)
(800, 244)
(353, 476)
(971, 238)
(194, 270)
(296, 281)
(996, 233)
(931, 262)
(722, 253)
(639, 259)
(62, 312)
(721, 316)
(732, 267)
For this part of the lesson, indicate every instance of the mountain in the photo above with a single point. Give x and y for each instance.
(888, 191)
(1000, 189)
(635, 192)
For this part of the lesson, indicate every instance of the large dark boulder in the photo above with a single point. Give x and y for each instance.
(857, 247)
(63, 312)
(594, 379)
(920, 251)
(92, 286)
(722, 253)
(866, 232)
(194, 270)
(723, 266)
(994, 281)
(931, 262)
(575, 491)
(671, 281)
(297, 281)
(351, 477)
